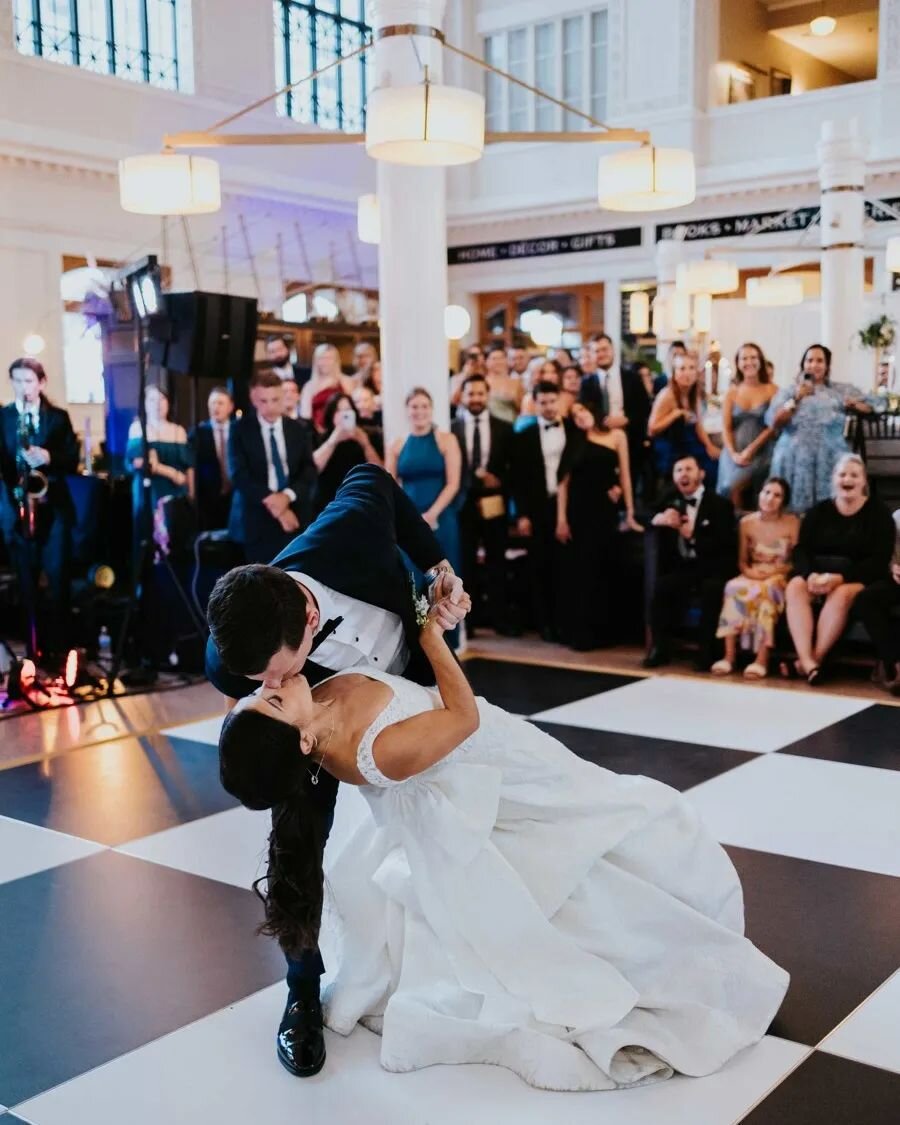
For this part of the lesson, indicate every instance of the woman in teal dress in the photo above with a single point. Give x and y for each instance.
(427, 465)
(171, 457)
(809, 418)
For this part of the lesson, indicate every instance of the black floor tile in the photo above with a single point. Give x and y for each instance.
(678, 764)
(826, 1090)
(118, 791)
(526, 689)
(101, 956)
(833, 928)
(868, 738)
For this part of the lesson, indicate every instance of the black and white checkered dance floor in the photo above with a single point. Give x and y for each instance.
(133, 989)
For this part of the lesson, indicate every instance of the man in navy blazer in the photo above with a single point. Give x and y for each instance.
(343, 591)
(210, 444)
(272, 471)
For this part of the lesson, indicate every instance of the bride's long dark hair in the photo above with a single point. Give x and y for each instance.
(261, 764)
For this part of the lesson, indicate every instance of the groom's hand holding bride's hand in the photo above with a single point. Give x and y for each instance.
(449, 601)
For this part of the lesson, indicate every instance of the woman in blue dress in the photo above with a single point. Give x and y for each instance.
(171, 456)
(675, 427)
(427, 466)
(810, 418)
(746, 438)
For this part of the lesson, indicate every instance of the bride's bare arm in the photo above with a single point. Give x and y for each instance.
(404, 749)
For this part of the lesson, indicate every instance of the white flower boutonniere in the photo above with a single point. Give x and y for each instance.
(420, 603)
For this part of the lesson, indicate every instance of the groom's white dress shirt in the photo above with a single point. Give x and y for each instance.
(367, 635)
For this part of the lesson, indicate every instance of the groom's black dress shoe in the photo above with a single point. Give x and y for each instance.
(301, 1040)
(656, 658)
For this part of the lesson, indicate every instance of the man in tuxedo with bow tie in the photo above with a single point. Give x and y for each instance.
(273, 473)
(537, 452)
(342, 592)
(697, 538)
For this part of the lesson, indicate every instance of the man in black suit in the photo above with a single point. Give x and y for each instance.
(210, 444)
(620, 397)
(273, 473)
(51, 448)
(486, 444)
(697, 555)
(278, 354)
(341, 590)
(537, 452)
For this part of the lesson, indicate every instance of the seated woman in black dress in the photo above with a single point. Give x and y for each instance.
(594, 476)
(845, 545)
(345, 444)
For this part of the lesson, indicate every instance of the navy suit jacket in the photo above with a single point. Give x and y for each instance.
(354, 547)
(249, 520)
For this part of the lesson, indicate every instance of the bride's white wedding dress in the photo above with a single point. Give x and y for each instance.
(516, 905)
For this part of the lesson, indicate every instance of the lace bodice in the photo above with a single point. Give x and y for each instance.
(408, 699)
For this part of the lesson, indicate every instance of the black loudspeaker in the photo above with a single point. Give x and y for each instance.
(213, 336)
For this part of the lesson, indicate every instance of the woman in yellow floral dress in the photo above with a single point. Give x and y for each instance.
(755, 599)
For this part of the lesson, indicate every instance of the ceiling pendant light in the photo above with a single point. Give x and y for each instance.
(639, 312)
(892, 254)
(707, 276)
(774, 291)
(822, 26)
(646, 179)
(457, 322)
(169, 183)
(430, 125)
(368, 219)
(680, 312)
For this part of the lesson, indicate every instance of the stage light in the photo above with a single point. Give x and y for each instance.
(102, 576)
(150, 295)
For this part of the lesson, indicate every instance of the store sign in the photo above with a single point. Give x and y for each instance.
(543, 247)
(763, 222)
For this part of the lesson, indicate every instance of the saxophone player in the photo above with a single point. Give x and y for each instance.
(37, 438)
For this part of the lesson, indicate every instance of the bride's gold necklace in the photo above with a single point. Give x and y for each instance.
(314, 777)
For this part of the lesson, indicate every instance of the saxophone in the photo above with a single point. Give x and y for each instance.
(31, 484)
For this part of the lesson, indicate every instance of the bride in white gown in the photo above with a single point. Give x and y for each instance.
(507, 902)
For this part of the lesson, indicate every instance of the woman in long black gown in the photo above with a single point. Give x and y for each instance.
(594, 488)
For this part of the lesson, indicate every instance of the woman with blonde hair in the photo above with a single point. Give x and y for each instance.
(326, 381)
(845, 545)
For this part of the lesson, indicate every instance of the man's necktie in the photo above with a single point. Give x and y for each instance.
(325, 632)
(280, 475)
(222, 457)
(476, 446)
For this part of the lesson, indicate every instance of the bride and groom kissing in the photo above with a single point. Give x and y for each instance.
(500, 900)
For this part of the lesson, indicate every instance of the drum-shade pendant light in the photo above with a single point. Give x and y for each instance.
(169, 183)
(430, 125)
(646, 179)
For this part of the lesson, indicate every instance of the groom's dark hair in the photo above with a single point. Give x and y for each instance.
(252, 613)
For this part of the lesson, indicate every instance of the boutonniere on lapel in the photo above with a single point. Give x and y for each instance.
(419, 601)
(704, 523)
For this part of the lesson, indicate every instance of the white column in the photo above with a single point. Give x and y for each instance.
(842, 171)
(670, 253)
(412, 255)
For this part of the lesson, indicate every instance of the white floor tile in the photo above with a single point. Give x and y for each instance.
(872, 1034)
(204, 730)
(26, 849)
(733, 716)
(223, 1069)
(231, 846)
(804, 807)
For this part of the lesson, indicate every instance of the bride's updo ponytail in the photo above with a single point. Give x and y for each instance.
(261, 764)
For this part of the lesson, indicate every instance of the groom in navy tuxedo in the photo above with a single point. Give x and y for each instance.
(342, 591)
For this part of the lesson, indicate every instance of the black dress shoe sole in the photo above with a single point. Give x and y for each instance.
(300, 1071)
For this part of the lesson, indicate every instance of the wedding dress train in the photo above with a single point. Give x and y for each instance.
(516, 905)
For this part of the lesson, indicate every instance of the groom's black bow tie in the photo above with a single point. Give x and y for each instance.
(550, 425)
(325, 632)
